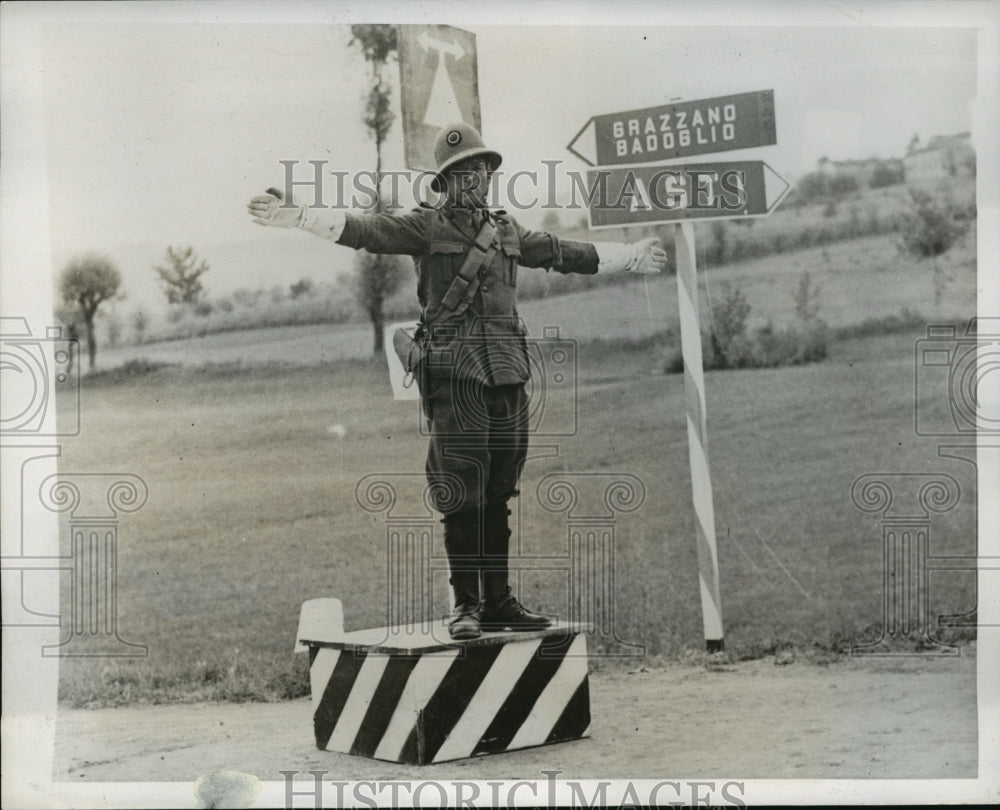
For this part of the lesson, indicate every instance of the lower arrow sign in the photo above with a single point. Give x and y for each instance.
(642, 195)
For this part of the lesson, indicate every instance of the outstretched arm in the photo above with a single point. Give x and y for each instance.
(568, 256)
(376, 233)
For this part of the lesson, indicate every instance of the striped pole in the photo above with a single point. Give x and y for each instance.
(697, 418)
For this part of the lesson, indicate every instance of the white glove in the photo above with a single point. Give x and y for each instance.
(644, 256)
(267, 209)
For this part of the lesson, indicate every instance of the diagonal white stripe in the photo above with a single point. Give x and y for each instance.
(357, 703)
(424, 679)
(556, 694)
(487, 700)
(701, 490)
(320, 672)
(691, 339)
(711, 615)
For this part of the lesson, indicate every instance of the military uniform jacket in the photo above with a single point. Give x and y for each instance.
(487, 342)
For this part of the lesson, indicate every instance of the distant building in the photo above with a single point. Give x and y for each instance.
(943, 156)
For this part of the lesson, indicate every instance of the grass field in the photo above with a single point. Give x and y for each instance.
(252, 444)
(252, 509)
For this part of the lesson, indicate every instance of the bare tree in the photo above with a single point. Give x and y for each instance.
(88, 282)
(181, 278)
(378, 276)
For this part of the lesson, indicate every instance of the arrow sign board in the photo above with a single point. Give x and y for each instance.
(643, 195)
(439, 85)
(679, 130)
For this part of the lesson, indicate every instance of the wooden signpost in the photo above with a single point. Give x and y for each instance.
(622, 195)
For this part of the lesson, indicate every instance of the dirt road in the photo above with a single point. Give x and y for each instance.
(900, 719)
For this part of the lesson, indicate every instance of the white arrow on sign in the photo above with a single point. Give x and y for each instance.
(442, 106)
(584, 145)
(427, 42)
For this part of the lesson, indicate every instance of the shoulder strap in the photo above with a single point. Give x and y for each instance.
(463, 287)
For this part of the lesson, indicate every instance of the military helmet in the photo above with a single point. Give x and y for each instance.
(458, 142)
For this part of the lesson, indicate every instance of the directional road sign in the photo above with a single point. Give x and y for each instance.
(678, 130)
(439, 85)
(641, 195)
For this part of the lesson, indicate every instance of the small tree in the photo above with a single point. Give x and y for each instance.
(181, 278)
(379, 276)
(376, 277)
(88, 282)
(928, 229)
(730, 344)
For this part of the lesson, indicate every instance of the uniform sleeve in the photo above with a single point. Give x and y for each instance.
(539, 249)
(384, 233)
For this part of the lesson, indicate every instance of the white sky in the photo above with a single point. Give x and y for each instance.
(158, 133)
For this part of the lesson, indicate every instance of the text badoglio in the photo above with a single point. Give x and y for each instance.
(667, 131)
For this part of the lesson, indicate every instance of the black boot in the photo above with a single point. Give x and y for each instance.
(462, 543)
(501, 610)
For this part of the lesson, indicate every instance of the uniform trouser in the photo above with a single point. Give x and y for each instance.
(478, 443)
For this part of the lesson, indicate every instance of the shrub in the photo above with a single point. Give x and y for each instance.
(728, 339)
(301, 287)
(887, 174)
(905, 321)
(247, 298)
(841, 185)
(730, 345)
(930, 226)
(806, 298)
(793, 345)
(814, 186)
(140, 323)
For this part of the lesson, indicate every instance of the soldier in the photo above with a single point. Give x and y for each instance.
(473, 360)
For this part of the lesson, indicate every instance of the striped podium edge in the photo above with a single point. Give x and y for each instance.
(403, 695)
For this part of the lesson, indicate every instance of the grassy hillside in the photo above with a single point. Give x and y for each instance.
(861, 280)
(834, 224)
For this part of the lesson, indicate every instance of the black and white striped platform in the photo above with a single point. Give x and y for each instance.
(412, 695)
